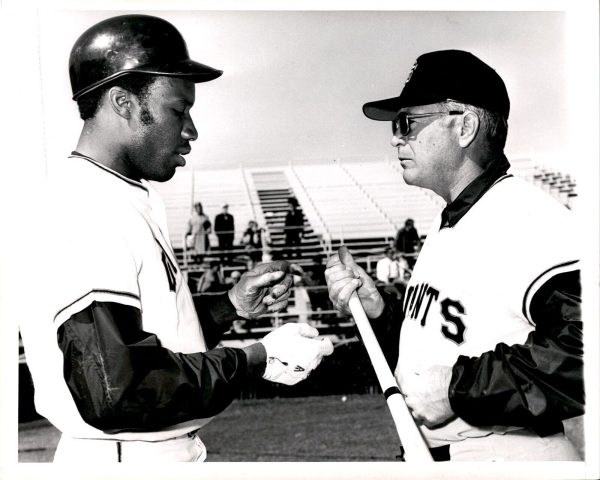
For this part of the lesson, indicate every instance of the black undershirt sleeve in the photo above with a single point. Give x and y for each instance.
(216, 314)
(386, 328)
(537, 384)
(122, 379)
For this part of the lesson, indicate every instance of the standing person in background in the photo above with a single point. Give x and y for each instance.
(252, 240)
(408, 242)
(123, 359)
(225, 230)
(487, 344)
(199, 227)
(294, 228)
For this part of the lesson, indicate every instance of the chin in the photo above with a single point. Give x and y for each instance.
(409, 177)
(163, 177)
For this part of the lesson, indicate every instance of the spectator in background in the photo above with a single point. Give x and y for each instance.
(408, 242)
(233, 278)
(199, 227)
(211, 280)
(392, 271)
(252, 240)
(224, 228)
(294, 227)
(388, 268)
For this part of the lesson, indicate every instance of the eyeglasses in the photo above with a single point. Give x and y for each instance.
(401, 124)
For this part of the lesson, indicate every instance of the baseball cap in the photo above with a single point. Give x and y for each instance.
(442, 75)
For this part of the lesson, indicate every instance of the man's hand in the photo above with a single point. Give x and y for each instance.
(264, 289)
(343, 277)
(293, 352)
(426, 395)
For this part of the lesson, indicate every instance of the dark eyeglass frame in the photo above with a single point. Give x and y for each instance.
(403, 120)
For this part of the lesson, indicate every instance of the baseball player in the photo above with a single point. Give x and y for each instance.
(487, 341)
(122, 357)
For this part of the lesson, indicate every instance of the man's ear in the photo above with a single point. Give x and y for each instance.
(120, 101)
(469, 129)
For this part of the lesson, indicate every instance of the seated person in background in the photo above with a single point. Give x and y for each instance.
(392, 271)
(392, 267)
(233, 278)
(210, 281)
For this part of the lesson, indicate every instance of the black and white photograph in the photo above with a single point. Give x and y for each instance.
(217, 251)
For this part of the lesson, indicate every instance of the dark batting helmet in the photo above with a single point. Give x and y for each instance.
(125, 44)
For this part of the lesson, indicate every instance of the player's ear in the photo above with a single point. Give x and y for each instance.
(468, 128)
(120, 101)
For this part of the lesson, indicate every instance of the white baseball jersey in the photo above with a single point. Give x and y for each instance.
(109, 243)
(473, 282)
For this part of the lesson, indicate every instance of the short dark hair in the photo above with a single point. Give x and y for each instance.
(493, 125)
(137, 83)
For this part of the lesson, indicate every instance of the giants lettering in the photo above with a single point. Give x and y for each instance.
(417, 301)
(170, 269)
(458, 336)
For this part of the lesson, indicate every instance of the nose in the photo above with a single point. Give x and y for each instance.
(398, 140)
(189, 131)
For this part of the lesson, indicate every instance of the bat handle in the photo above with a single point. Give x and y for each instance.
(410, 436)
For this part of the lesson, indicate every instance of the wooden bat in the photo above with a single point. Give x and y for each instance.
(415, 448)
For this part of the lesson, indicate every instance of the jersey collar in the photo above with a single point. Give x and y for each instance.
(494, 173)
(131, 182)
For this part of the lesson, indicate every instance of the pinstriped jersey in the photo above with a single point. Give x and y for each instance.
(473, 283)
(109, 244)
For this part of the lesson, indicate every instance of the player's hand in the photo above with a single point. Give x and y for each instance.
(426, 395)
(264, 289)
(293, 352)
(343, 277)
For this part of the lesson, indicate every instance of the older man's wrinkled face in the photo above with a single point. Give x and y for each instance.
(427, 153)
(162, 130)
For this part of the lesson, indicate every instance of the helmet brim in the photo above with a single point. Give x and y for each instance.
(187, 69)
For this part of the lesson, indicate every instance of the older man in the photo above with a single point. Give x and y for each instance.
(122, 358)
(487, 344)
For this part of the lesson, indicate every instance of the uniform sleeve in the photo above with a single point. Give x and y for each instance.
(122, 379)
(216, 314)
(536, 384)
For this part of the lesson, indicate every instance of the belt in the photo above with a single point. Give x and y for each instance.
(121, 442)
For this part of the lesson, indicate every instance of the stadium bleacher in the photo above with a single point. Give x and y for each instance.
(356, 201)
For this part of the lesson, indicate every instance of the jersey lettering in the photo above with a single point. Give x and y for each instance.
(458, 335)
(418, 300)
(414, 301)
(170, 269)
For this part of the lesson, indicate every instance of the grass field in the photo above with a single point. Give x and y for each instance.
(308, 429)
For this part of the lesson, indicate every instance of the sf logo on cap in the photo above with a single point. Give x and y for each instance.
(410, 74)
